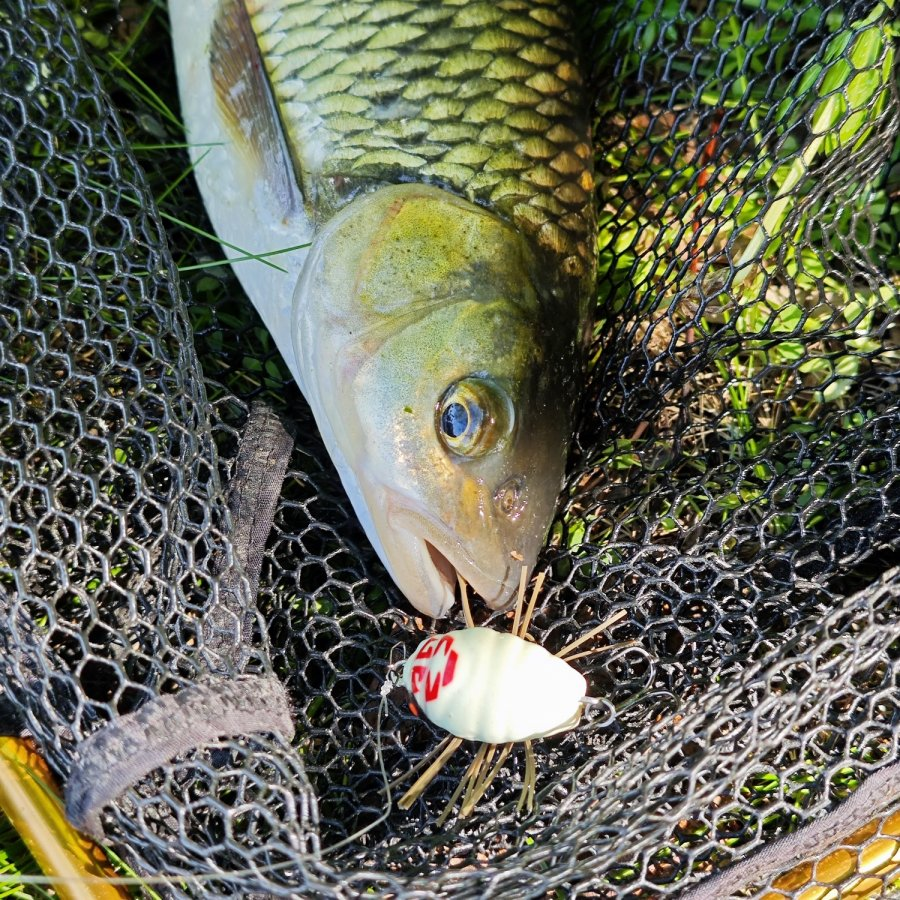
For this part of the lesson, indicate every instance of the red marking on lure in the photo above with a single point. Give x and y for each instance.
(432, 686)
(432, 676)
(506, 690)
(449, 668)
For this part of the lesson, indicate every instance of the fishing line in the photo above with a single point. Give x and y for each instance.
(391, 680)
(389, 684)
(386, 688)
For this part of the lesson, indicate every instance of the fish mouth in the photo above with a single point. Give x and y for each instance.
(445, 569)
(427, 559)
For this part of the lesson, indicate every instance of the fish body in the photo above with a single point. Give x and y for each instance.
(435, 158)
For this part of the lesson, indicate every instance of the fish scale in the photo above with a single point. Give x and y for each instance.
(482, 99)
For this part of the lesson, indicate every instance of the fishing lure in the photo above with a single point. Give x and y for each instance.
(497, 689)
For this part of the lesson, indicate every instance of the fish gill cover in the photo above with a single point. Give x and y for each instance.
(734, 486)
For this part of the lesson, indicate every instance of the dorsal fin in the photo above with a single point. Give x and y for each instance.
(245, 101)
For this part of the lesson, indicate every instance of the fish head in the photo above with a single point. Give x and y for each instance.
(471, 455)
(441, 375)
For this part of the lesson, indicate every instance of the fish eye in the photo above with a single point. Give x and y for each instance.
(473, 416)
(454, 420)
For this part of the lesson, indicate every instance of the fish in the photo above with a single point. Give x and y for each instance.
(427, 167)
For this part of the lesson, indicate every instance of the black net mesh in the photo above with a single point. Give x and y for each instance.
(734, 486)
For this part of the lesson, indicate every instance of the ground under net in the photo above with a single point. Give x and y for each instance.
(734, 485)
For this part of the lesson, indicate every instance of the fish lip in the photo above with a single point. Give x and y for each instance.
(422, 572)
(446, 557)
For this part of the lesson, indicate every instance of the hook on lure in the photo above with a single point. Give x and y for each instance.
(498, 689)
(484, 667)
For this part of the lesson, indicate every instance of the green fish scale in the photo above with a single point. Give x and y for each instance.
(482, 98)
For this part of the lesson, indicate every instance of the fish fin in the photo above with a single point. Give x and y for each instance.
(245, 101)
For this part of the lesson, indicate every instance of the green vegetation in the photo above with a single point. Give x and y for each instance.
(714, 238)
(16, 860)
(130, 45)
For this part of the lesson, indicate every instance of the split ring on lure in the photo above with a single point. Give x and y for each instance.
(497, 689)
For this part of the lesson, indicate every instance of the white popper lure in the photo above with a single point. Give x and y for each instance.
(497, 689)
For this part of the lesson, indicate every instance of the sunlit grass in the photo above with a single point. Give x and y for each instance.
(130, 45)
(16, 860)
(817, 325)
(715, 240)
